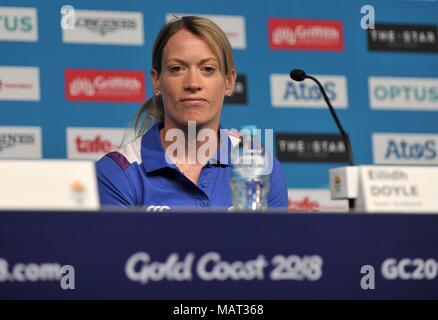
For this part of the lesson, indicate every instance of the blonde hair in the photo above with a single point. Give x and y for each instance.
(153, 110)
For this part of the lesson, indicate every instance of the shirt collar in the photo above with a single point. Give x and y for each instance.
(152, 152)
(154, 156)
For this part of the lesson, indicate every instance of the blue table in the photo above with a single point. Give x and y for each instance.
(182, 255)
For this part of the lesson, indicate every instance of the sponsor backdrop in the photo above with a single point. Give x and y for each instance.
(73, 74)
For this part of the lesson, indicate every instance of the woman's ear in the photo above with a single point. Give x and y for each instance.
(155, 82)
(230, 80)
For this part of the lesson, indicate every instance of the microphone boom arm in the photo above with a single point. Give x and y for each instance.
(338, 123)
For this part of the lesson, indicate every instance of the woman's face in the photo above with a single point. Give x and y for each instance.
(191, 84)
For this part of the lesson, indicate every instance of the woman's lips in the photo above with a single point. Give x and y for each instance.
(193, 102)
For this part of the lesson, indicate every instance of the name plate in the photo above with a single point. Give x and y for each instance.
(398, 189)
(48, 185)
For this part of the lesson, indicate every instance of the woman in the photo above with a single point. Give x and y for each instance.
(192, 71)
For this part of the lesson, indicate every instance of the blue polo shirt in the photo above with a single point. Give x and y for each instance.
(139, 175)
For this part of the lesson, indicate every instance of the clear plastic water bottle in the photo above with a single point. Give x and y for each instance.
(250, 175)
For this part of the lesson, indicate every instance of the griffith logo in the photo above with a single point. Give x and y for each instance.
(105, 85)
(324, 35)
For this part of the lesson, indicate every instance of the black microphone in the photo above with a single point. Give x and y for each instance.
(300, 75)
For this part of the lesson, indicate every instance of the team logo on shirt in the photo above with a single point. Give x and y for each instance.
(157, 208)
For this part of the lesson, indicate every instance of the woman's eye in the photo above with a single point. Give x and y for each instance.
(209, 69)
(175, 69)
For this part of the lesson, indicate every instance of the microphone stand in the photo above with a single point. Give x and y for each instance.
(301, 75)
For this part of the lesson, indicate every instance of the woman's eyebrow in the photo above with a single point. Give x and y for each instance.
(178, 60)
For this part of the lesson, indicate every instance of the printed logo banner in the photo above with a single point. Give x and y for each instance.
(322, 35)
(403, 37)
(18, 24)
(19, 83)
(403, 93)
(20, 143)
(105, 85)
(297, 147)
(306, 94)
(94, 143)
(105, 27)
(405, 148)
(314, 200)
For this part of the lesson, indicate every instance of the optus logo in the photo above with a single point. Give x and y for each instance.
(18, 24)
(403, 93)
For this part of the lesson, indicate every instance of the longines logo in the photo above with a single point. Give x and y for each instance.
(8, 140)
(104, 26)
(401, 37)
(20, 142)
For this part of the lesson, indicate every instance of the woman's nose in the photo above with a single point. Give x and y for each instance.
(192, 81)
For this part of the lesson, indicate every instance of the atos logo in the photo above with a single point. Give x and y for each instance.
(306, 94)
(303, 91)
(405, 148)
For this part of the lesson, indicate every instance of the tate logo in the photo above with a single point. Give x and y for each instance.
(314, 200)
(19, 83)
(306, 94)
(403, 93)
(233, 26)
(105, 27)
(20, 143)
(105, 85)
(93, 143)
(397, 148)
(323, 35)
(18, 24)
